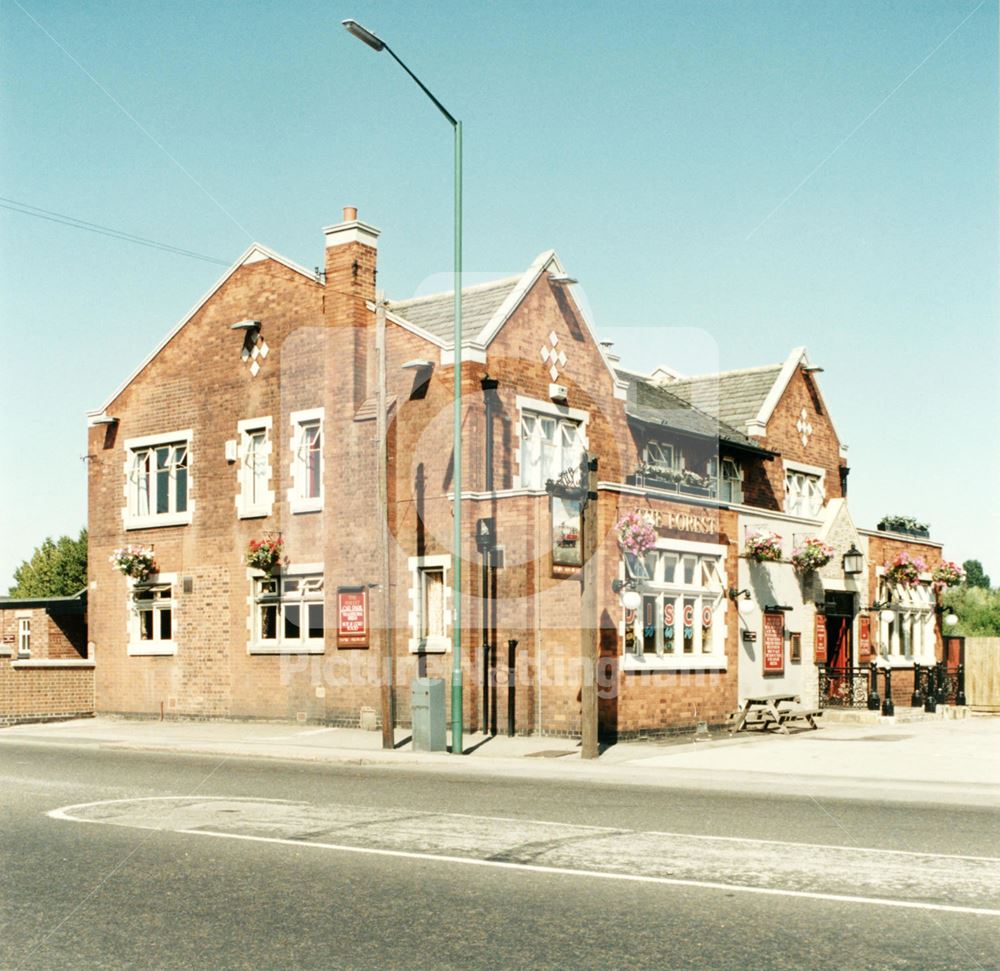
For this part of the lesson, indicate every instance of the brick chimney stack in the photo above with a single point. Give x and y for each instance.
(351, 263)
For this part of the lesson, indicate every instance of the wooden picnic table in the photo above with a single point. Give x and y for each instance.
(763, 711)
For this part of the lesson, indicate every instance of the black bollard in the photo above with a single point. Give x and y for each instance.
(916, 699)
(960, 694)
(873, 699)
(941, 695)
(888, 708)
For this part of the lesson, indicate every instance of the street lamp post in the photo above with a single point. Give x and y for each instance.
(377, 44)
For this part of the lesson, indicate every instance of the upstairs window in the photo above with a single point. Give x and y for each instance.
(255, 495)
(728, 476)
(661, 455)
(158, 481)
(549, 446)
(289, 614)
(804, 492)
(306, 493)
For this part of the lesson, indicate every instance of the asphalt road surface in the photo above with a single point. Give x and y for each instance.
(114, 859)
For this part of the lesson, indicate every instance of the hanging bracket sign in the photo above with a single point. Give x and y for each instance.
(352, 617)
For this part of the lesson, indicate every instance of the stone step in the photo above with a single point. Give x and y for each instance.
(902, 716)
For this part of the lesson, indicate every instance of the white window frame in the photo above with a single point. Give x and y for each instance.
(798, 474)
(298, 499)
(132, 518)
(677, 591)
(24, 637)
(157, 647)
(302, 598)
(418, 566)
(547, 409)
(246, 507)
(717, 470)
(676, 459)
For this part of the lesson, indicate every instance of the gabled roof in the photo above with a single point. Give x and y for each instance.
(436, 313)
(734, 397)
(652, 404)
(254, 253)
(485, 309)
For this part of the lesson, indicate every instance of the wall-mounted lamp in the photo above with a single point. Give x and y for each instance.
(884, 610)
(417, 364)
(743, 602)
(631, 598)
(775, 609)
(948, 616)
(854, 561)
(249, 326)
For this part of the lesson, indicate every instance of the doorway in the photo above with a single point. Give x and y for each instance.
(839, 627)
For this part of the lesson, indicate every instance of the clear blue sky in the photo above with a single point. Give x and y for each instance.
(726, 180)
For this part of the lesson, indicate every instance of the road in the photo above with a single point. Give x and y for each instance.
(115, 859)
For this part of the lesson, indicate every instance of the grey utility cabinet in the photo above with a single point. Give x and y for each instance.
(427, 706)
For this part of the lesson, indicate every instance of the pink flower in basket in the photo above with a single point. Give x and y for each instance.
(763, 546)
(635, 534)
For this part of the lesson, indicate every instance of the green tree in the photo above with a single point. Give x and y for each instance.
(977, 609)
(56, 569)
(974, 575)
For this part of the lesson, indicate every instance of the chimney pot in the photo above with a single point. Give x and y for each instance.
(350, 214)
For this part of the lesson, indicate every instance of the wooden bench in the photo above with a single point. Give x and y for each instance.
(808, 715)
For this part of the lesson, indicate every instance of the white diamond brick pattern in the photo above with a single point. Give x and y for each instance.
(804, 428)
(255, 356)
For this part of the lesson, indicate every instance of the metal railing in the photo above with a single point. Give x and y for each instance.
(844, 687)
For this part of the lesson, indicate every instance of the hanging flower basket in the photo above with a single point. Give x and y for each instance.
(763, 546)
(265, 554)
(635, 534)
(946, 574)
(905, 570)
(811, 555)
(136, 562)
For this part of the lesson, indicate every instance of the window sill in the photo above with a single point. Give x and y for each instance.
(152, 522)
(306, 505)
(155, 649)
(908, 662)
(24, 662)
(432, 645)
(696, 662)
(254, 513)
(318, 648)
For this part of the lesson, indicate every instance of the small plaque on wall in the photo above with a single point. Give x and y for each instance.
(864, 638)
(352, 617)
(820, 641)
(773, 654)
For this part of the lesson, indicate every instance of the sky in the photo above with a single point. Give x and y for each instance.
(726, 181)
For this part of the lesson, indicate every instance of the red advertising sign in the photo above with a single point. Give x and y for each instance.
(774, 644)
(864, 638)
(352, 617)
(820, 641)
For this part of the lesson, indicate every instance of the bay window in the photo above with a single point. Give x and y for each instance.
(910, 637)
(681, 620)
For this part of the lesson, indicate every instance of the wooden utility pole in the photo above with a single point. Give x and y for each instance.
(387, 674)
(588, 611)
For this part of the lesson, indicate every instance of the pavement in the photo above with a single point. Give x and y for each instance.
(940, 761)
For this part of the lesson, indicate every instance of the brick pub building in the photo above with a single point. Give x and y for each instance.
(255, 418)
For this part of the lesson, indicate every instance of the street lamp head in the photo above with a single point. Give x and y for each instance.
(364, 35)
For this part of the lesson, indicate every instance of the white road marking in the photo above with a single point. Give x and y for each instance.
(891, 878)
(631, 877)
